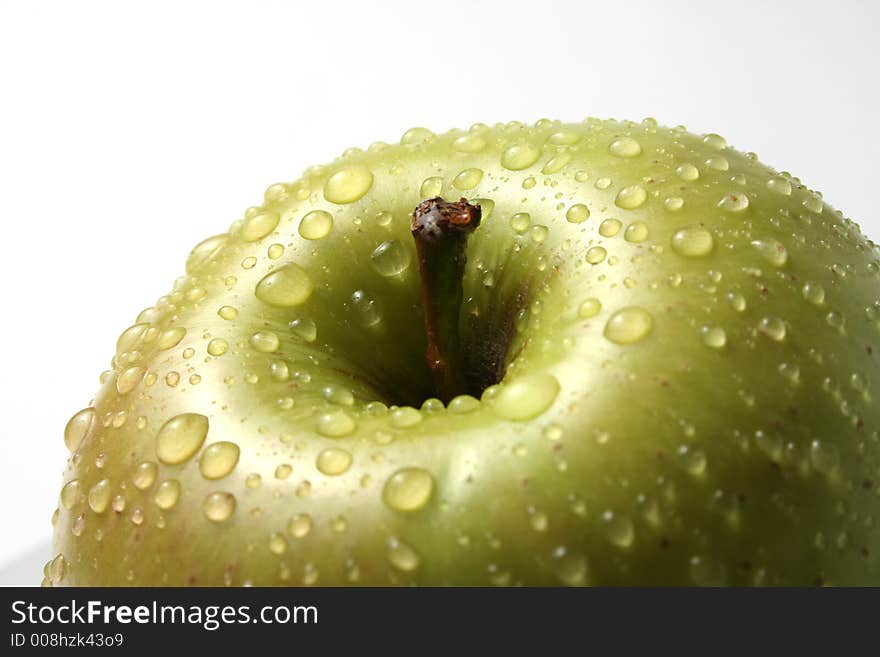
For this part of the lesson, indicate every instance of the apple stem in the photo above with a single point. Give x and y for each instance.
(440, 229)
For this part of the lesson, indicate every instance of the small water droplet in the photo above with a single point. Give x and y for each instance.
(596, 254)
(405, 417)
(813, 203)
(335, 424)
(217, 347)
(715, 141)
(219, 506)
(734, 202)
(713, 336)
(773, 251)
(736, 301)
(609, 228)
(773, 328)
(369, 312)
(618, 529)
(718, 163)
(265, 342)
(520, 222)
(144, 475)
(589, 308)
(402, 556)
(300, 525)
(814, 293)
(227, 312)
(167, 494)
(469, 143)
(629, 325)
(99, 496)
(687, 172)
(306, 329)
(463, 404)
(779, 185)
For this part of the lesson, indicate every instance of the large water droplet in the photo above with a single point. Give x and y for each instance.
(219, 506)
(218, 459)
(526, 397)
(316, 225)
(181, 437)
(390, 258)
(687, 172)
(333, 461)
(287, 287)
(348, 184)
(259, 225)
(144, 475)
(408, 489)
(335, 424)
(713, 336)
(636, 232)
(629, 325)
(693, 242)
(99, 496)
(520, 156)
(577, 213)
(631, 197)
(78, 428)
(468, 179)
(625, 147)
(431, 187)
(265, 342)
(589, 308)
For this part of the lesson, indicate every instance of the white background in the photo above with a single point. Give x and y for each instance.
(131, 130)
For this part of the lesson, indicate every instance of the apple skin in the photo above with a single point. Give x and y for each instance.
(712, 420)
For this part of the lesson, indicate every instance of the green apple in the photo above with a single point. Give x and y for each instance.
(663, 369)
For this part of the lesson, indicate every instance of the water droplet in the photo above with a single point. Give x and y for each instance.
(368, 310)
(70, 494)
(769, 443)
(520, 222)
(275, 251)
(693, 242)
(539, 233)
(814, 293)
(631, 197)
(718, 163)
(205, 252)
(577, 213)
(687, 172)
(673, 203)
(596, 254)
(734, 202)
(556, 163)
(227, 312)
(79, 525)
(609, 228)
(779, 185)
(167, 494)
(171, 337)
(333, 461)
(305, 329)
(408, 489)
(618, 529)
(217, 347)
(625, 147)
(834, 319)
(713, 336)
(218, 459)
(715, 141)
(383, 218)
(316, 225)
(219, 506)
(78, 428)
(431, 187)
(526, 397)
(629, 325)
(570, 568)
(348, 184)
(772, 251)
(338, 395)
(773, 328)
(790, 372)
(519, 156)
(463, 404)
(286, 287)
(582, 176)
(249, 262)
(259, 225)
(277, 544)
(335, 424)
(390, 258)
(469, 144)
(265, 342)
(405, 417)
(144, 475)
(300, 525)
(181, 437)
(736, 301)
(636, 232)
(706, 572)
(692, 459)
(99, 496)
(813, 203)
(468, 179)
(589, 308)
(402, 556)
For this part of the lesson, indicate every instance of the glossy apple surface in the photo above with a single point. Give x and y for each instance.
(686, 344)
